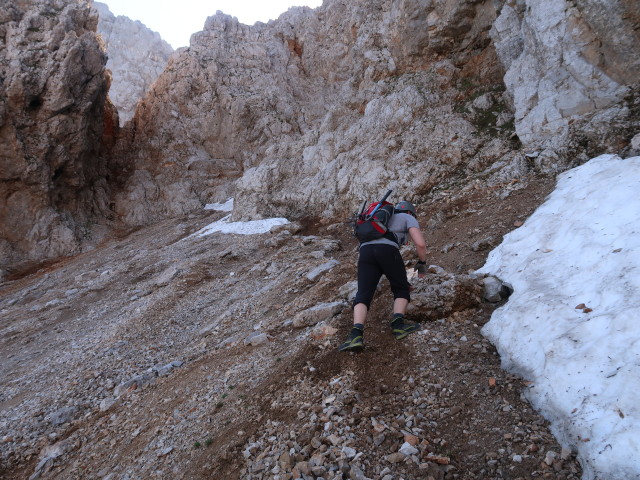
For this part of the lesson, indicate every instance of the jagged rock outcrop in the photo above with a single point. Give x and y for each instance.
(346, 100)
(572, 73)
(54, 120)
(340, 102)
(337, 102)
(137, 56)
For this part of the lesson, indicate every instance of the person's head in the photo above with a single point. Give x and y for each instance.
(406, 207)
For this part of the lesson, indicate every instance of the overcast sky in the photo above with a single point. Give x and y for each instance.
(176, 20)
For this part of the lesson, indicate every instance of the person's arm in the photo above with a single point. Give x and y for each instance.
(418, 240)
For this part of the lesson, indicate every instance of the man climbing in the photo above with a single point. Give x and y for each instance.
(382, 256)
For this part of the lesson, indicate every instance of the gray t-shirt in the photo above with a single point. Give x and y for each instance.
(399, 224)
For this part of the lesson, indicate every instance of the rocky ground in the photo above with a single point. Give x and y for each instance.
(163, 354)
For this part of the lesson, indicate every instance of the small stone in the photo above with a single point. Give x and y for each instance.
(356, 474)
(318, 471)
(349, 452)
(317, 314)
(447, 248)
(379, 439)
(517, 458)
(483, 244)
(164, 370)
(314, 274)
(107, 403)
(334, 439)
(256, 339)
(492, 289)
(209, 329)
(285, 461)
(411, 439)
(323, 331)
(396, 457)
(165, 451)
(301, 468)
(379, 427)
(550, 457)
(63, 415)
(440, 460)
(408, 449)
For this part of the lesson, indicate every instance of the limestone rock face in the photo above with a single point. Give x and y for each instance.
(572, 72)
(54, 120)
(340, 102)
(137, 56)
(310, 114)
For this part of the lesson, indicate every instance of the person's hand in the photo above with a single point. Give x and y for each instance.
(421, 268)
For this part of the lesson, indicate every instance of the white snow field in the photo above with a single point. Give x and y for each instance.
(572, 325)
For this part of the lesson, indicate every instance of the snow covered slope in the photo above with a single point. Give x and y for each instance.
(571, 326)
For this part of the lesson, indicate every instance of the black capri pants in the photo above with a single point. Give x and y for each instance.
(375, 260)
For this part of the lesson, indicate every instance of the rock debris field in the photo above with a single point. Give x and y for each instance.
(163, 354)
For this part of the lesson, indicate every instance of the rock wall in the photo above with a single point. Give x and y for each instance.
(572, 73)
(137, 56)
(54, 120)
(339, 102)
(350, 99)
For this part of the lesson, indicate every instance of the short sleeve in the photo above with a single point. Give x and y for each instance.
(412, 222)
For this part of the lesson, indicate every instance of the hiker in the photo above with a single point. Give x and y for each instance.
(382, 256)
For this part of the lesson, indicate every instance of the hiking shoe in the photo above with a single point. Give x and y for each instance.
(401, 327)
(354, 341)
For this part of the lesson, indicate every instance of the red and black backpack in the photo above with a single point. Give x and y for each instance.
(372, 223)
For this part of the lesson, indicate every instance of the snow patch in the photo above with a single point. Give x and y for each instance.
(252, 227)
(571, 325)
(220, 207)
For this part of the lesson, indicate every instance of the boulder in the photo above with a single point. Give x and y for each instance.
(439, 295)
(318, 313)
(495, 290)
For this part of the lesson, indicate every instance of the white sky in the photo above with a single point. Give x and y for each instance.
(176, 20)
(582, 246)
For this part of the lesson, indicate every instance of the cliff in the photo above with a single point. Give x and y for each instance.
(55, 123)
(352, 98)
(343, 102)
(572, 76)
(340, 102)
(136, 57)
